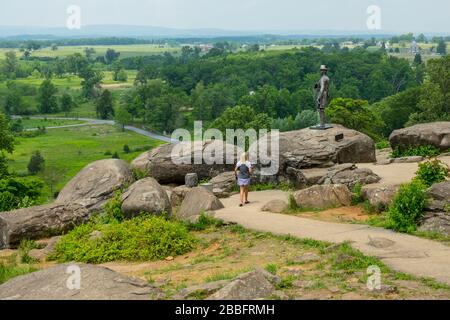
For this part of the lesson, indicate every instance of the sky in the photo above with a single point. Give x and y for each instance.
(244, 15)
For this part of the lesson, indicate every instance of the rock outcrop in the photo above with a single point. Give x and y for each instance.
(60, 283)
(145, 195)
(314, 148)
(436, 134)
(349, 175)
(301, 149)
(437, 213)
(40, 221)
(380, 197)
(170, 163)
(253, 285)
(96, 183)
(324, 197)
(197, 201)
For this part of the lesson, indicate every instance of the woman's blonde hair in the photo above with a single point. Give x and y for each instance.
(244, 157)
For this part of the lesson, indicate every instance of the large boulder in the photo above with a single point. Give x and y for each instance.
(437, 213)
(380, 196)
(324, 197)
(275, 206)
(145, 195)
(436, 134)
(96, 183)
(350, 175)
(60, 283)
(197, 201)
(178, 194)
(170, 163)
(308, 148)
(40, 221)
(225, 181)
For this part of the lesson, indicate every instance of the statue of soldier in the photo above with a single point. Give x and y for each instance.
(323, 96)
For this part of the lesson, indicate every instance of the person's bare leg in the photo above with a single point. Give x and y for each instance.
(246, 194)
(242, 194)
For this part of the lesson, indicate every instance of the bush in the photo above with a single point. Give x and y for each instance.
(407, 207)
(357, 196)
(115, 155)
(126, 149)
(204, 222)
(113, 209)
(36, 163)
(423, 151)
(9, 271)
(384, 144)
(19, 192)
(145, 238)
(432, 171)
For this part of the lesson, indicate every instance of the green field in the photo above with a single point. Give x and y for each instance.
(125, 50)
(29, 123)
(70, 149)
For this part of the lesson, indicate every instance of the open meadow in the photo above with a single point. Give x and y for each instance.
(68, 150)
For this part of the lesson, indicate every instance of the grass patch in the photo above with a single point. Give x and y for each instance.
(69, 150)
(204, 222)
(145, 238)
(412, 151)
(271, 268)
(9, 271)
(351, 260)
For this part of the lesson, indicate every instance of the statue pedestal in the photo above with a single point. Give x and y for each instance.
(319, 127)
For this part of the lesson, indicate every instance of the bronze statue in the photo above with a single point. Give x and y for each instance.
(323, 95)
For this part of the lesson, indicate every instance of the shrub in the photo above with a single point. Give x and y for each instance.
(115, 155)
(9, 271)
(126, 149)
(36, 163)
(204, 222)
(432, 171)
(19, 192)
(407, 207)
(113, 209)
(423, 151)
(145, 238)
(383, 145)
(357, 194)
(108, 153)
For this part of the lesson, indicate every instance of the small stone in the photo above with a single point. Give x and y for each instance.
(170, 258)
(191, 180)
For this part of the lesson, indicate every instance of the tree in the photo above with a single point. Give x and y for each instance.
(51, 176)
(418, 59)
(126, 149)
(354, 114)
(36, 164)
(104, 105)
(89, 52)
(90, 84)
(47, 98)
(66, 103)
(10, 63)
(123, 117)
(6, 144)
(242, 117)
(111, 55)
(442, 47)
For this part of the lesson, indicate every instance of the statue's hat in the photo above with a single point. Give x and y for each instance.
(323, 67)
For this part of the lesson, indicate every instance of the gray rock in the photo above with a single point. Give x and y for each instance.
(97, 283)
(379, 196)
(170, 163)
(437, 213)
(178, 194)
(39, 222)
(381, 243)
(145, 195)
(197, 201)
(96, 183)
(349, 175)
(436, 134)
(275, 206)
(225, 181)
(324, 196)
(414, 159)
(191, 180)
(204, 289)
(249, 286)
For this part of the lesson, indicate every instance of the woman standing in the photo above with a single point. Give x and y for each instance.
(243, 172)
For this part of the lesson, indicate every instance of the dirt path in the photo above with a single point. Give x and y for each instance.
(409, 254)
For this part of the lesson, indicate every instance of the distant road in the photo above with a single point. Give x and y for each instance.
(90, 122)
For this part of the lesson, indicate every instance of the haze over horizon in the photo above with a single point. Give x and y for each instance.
(235, 15)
